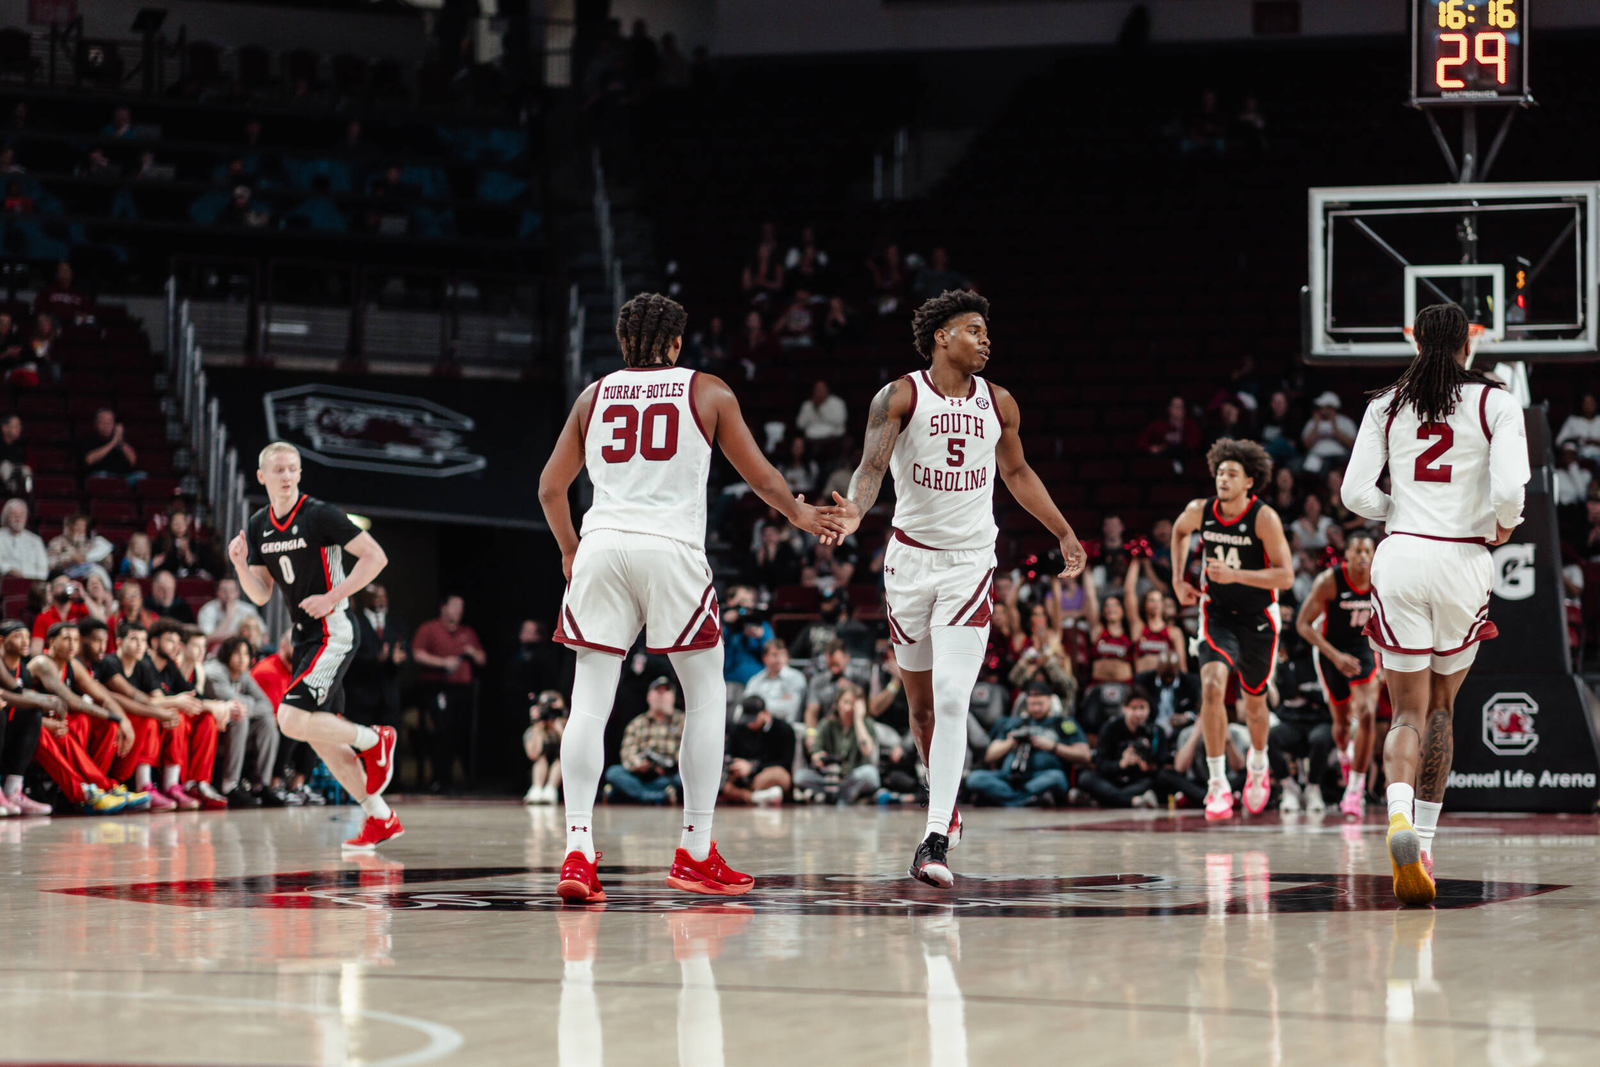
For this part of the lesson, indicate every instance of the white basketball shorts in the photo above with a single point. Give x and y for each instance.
(928, 587)
(622, 581)
(1430, 603)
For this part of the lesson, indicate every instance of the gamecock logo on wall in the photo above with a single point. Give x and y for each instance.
(1508, 727)
(361, 430)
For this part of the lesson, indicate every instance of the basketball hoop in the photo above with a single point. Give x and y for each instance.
(1476, 335)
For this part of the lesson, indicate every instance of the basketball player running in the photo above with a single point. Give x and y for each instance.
(944, 432)
(1457, 454)
(1331, 620)
(1246, 562)
(645, 435)
(302, 542)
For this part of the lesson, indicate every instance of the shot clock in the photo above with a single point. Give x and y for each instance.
(1469, 51)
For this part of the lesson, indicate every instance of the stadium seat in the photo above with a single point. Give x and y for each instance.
(119, 511)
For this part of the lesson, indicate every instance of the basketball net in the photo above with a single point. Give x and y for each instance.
(1514, 375)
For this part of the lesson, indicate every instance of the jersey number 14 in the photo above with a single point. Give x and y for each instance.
(1228, 556)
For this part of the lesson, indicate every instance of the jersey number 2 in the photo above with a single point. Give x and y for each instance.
(629, 436)
(287, 568)
(1428, 467)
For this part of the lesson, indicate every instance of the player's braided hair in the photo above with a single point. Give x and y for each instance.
(646, 327)
(1432, 383)
(936, 313)
(1249, 455)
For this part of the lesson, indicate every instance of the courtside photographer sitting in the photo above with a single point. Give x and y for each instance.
(542, 742)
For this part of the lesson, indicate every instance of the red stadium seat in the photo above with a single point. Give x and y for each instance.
(55, 509)
(795, 598)
(51, 459)
(204, 588)
(14, 586)
(55, 485)
(159, 490)
(14, 606)
(106, 488)
(113, 511)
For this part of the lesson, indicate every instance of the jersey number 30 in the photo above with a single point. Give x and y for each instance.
(629, 436)
(1429, 469)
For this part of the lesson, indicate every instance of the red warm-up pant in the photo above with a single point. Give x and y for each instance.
(191, 744)
(98, 738)
(68, 764)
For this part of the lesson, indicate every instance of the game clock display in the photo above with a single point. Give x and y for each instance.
(1469, 51)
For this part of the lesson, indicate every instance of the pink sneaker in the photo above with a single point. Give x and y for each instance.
(1353, 804)
(183, 800)
(26, 805)
(1427, 864)
(1257, 788)
(159, 801)
(1344, 768)
(1219, 802)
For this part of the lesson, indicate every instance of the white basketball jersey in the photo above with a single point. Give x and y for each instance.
(647, 455)
(943, 467)
(1449, 481)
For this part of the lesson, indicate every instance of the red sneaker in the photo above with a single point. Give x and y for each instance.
(954, 833)
(375, 832)
(711, 875)
(580, 879)
(379, 761)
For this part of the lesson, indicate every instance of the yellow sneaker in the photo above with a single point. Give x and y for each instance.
(136, 801)
(1412, 882)
(98, 802)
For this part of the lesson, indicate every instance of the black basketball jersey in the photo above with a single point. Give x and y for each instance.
(1234, 543)
(1346, 614)
(304, 551)
(67, 675)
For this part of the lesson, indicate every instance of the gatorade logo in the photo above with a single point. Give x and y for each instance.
(1514, 577)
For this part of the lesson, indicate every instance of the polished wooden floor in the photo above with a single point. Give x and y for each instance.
(1081, 937)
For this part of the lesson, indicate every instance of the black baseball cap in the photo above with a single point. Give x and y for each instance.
(663, 680)
(1041, 687)
(750, 709)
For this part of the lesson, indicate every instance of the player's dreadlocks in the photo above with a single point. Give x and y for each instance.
(1432, 383)
(646, 326)
(936, 313)
(1247, 454)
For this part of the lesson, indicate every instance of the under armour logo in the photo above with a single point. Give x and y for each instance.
(889, 569)
(576, 829)
(690, 829)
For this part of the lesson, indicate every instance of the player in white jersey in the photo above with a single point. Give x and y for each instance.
(645, 435)
(944, 433)
(1458, 463)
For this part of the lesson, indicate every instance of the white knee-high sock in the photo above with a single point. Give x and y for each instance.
(705, 696)
(957, 658)
(583, 743)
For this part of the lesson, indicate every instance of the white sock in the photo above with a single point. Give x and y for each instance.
(169, 775)
(579, 839)
(957, 659)
(1256, 759)
(583, 743)
(141, 777)
(13, 784)
(705, 696)
(366, 737)
(377, 808)
(1217, 766)
(1358, 783)
(696, 839)
(1400, 799)
(1427, 823)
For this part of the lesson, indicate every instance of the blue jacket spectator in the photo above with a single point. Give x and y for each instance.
(744, 637)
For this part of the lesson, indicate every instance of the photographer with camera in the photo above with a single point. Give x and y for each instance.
(1028, 755)
(542, 742)
(648, 773)
(1132, 762)
(745, 633)
(66, 605)
(760, 754)
(843, 753)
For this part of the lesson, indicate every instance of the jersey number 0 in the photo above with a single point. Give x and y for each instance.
(287, 568)
(629, 436)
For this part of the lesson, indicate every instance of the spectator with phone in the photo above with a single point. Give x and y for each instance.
(648, 773)
(843, 755)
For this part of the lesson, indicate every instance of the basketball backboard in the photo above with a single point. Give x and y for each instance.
(1519, 256)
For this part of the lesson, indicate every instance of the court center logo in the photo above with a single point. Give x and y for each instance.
(1514, 576)
(358, 429)
(1508, 724)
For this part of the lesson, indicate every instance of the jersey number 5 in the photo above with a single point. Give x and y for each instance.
(629, 436)
(958, 454)
(1428, 467)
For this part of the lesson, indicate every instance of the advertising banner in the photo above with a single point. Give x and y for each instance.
(406, 447)
(1524, 742)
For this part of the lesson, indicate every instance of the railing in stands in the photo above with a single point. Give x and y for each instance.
(577, 320)
(610, 262)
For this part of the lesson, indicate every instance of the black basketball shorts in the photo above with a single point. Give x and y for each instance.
(1247, 643)
(322, 655)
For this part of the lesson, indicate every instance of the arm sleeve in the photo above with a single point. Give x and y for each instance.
(1361, 493)
(1508, 458)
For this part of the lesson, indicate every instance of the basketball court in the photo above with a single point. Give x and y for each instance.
(1099, 937)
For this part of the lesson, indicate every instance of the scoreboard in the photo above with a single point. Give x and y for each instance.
(1469, 51)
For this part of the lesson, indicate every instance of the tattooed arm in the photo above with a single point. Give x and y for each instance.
(884, 419)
